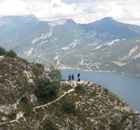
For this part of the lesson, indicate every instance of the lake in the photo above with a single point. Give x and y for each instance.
(126, 87)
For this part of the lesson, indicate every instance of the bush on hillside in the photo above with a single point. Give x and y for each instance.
(40, 65)
(49, 125)
(2, 51)
(28, 109)
(11, 53)
(38, 69)
(55, 73)
(80, 89)
(68, 106)
(46, 89)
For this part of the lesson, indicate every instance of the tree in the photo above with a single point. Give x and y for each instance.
(11, 53)
(46, 89)
(2, 51)
(55, 73)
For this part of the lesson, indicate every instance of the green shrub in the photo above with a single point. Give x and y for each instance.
(106, 90)
(10, 116)
(47, 90)
(71, 126)
(11, 53)
(28, 109)
(39, 65)
(2, 51)
(114, 126)
(93, 93)
(55, 73)
(81, 115)
(49, 125)
(57, 114)
(80, 89)
(24, 60)
(101, 127)
(69, 106)
(2, 79)
(125, 116)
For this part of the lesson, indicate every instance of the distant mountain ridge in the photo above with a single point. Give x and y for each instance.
(116, 28)
(53, 43)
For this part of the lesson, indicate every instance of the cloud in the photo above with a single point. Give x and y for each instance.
(55, 5)
(80, 1)
(73, 1)
(89, 9)
(81, 11)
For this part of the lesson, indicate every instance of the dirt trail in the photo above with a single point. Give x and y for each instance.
(44, 105)
(20, 113)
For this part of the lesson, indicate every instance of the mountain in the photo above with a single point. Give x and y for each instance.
(115, 28)
(11, 26)
(119, 56)
(42, 103)
(66, 43)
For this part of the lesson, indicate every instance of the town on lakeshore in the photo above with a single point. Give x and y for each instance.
(66, 67)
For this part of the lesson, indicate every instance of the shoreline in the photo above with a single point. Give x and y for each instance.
(101, 72)
(68, 68)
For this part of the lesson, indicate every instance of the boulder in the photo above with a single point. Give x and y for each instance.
(6, 109)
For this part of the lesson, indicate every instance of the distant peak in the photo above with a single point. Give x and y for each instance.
(20, 16)
(70, 21)
(107, 18)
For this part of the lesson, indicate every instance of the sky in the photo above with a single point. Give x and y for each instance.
(81, 11)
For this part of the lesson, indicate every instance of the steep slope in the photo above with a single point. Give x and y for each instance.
(16, 80)
(120, 56)
(13, 26)
(87, 105)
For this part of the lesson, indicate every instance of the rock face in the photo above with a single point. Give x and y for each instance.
(84, 105)
(6, 109)
(16, 82)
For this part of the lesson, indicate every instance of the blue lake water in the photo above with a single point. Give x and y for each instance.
(126, 87)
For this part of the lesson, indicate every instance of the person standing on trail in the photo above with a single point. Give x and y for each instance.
(14, 113)
(33, 102)
(78, 77)
(69, 77)
(73, 77)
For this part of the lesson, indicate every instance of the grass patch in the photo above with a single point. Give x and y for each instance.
(80, 89)
(49, 125)
(106, 90)
(93, 94)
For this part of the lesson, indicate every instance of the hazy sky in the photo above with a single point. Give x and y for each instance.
(81, 11)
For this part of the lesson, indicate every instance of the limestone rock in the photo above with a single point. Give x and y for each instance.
(28, 73)
(6, 109)
(3, 118)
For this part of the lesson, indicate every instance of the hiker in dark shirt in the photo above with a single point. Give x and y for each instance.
(78, 77)
(69, 77)
(14, 113)
(72, 76)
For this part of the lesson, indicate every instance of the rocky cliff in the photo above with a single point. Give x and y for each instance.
(82, 106)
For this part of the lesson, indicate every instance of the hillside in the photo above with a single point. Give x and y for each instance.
(119, 56)
(57, 105)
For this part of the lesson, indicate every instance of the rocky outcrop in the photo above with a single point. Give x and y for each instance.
(6, 109)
